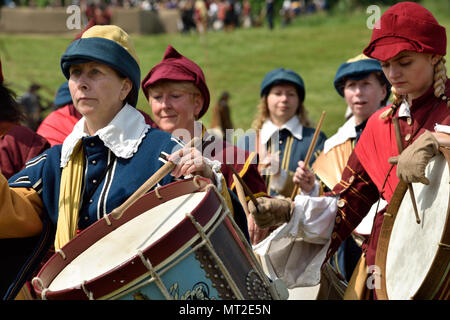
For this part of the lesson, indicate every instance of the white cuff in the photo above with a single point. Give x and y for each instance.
(215, 167)
(314, 217)
(442, 128)
(314, 191)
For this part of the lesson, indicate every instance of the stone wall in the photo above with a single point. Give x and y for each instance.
(54, 20)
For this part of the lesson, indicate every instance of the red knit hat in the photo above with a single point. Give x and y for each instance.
(406, 26)
(176, 67)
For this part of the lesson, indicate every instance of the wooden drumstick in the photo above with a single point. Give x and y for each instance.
(241, 195)
(400, 150)
(310, 151)
(244, 186)
(154, 179)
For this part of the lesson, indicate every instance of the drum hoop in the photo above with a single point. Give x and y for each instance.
(432, 287)
(87, 238)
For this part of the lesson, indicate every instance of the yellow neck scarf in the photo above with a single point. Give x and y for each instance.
(70, 197)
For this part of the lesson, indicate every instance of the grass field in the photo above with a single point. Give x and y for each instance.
(237, 61)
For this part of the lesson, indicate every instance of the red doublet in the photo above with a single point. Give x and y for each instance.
(18, 144)
(367, 168)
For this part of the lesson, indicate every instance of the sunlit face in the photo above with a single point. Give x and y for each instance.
(364, 96)
(174, 107)
(98, 93)
(282, 102)
(410, 73)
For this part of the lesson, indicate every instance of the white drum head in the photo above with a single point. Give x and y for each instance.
(412, 246)
(123, 243)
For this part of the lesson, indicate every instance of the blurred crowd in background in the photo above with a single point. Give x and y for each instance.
(195, 15)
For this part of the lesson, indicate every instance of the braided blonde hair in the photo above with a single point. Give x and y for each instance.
(439, 81)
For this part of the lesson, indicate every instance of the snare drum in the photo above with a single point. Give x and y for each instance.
(176, 242)
(414, 258)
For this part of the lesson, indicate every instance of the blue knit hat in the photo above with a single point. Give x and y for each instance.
(110, 45)
(358, 68)
(63, 96)
(281, 75)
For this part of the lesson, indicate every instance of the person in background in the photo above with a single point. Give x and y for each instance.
(270, 12)
(31, 104)
(18, 144)
(221, 117)
(282, 130)
(178, 95)
(57, 125)
(365, 89)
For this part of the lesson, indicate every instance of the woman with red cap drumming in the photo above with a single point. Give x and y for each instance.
(411, 45)
(178, 96)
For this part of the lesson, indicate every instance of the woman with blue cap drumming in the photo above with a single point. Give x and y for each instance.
(109, 154)
(283, 130)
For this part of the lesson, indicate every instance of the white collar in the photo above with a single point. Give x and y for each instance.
(122, 135)
(404, 110)
(269, 128)
(347, 131)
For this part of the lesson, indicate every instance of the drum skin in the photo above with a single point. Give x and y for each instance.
(185, 267)
(414, 258)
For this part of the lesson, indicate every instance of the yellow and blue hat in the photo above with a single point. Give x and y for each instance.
(108, 44)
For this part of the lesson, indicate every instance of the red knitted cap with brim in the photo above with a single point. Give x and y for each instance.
(406, 26)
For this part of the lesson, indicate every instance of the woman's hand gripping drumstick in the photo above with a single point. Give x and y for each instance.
(182, 162)
(256, 234)
(310, 152)
(241, 183)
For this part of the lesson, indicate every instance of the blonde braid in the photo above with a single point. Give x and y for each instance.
(396, 102)
(440, 79)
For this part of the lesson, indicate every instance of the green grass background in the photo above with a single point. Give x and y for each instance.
(237, 61)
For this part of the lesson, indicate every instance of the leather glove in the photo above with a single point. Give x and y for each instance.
(411, 163)
(271, 211)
